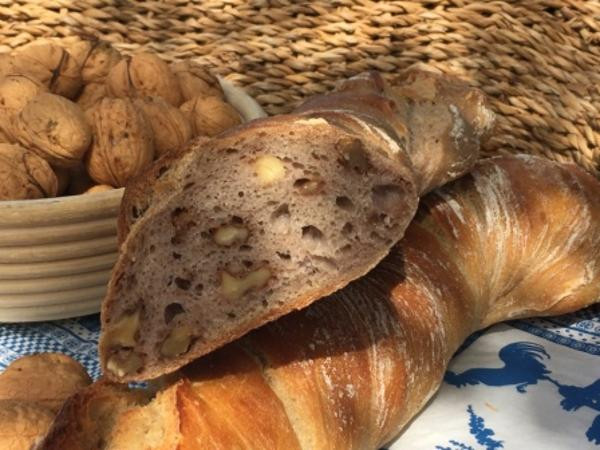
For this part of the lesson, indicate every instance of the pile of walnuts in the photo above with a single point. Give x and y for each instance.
(80, 117)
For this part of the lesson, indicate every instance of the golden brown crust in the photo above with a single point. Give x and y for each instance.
(209, 397)
(86, 420)
(518, 236)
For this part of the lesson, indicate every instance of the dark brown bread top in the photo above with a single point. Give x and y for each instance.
(518, 237)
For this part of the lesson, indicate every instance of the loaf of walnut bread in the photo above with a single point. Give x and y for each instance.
(279, 212)
(518, 237)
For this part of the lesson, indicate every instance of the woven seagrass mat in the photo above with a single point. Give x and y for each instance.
(539, 61)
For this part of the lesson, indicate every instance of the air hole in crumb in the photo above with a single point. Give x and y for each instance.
(353, 155)
(297, 165)
(376, 218)
(182, 283)
(283, 211)
(247, 263)
(345, 249)
(177, 212)
(347, 228)
(265, 303)
(188, 185)
(135, 213)
(388, 197)
(152, 248)
(162, 171)
(309, 186)
(311, 232)
(231, 315)
(171, 310)
(176, 255)
(245, 248)
(240, 194)
(284, 255)
(205, 235)
(237, 220)
(329, 262)
(344, 203)
(230, 151)
(377, 237)
(199, 288)
(217, 209)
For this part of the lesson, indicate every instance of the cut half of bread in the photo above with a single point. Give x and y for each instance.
(261, 221)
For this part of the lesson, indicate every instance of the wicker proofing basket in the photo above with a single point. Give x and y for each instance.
(538, 61)
(56, 255)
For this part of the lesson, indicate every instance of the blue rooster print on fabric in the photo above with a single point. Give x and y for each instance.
(575, 397)
(522, 367)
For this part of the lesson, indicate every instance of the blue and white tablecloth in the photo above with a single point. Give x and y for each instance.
(532, 384)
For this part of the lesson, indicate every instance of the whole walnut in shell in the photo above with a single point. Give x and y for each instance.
(15, 92)
(122, 146)
(5, 63)
(91, 94)
(210, 116)
(195, 81)
(95, 58)
(24, 175)
(54, 128)
(50, 64)
(141, 75)
(171, 128)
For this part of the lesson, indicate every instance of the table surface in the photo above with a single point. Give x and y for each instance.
(523, 384)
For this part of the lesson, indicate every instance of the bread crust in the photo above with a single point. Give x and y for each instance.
(320, 196)
(519, 236)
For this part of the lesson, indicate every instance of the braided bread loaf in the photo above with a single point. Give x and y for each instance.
(519, 236)
(277, 213)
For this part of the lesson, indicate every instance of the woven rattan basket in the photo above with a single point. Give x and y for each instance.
(539, 61)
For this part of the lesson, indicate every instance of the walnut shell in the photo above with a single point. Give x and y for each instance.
(15, 92)
(25, 175)
(122, 146)
(24, 424)
(171, 128)
(210, 116)
(54, 128)
(195, 81)
(141, 75)
(97, 188)
(79, 50)
(100, 59)
(91, 94)
(6, 64)
(50, 64)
